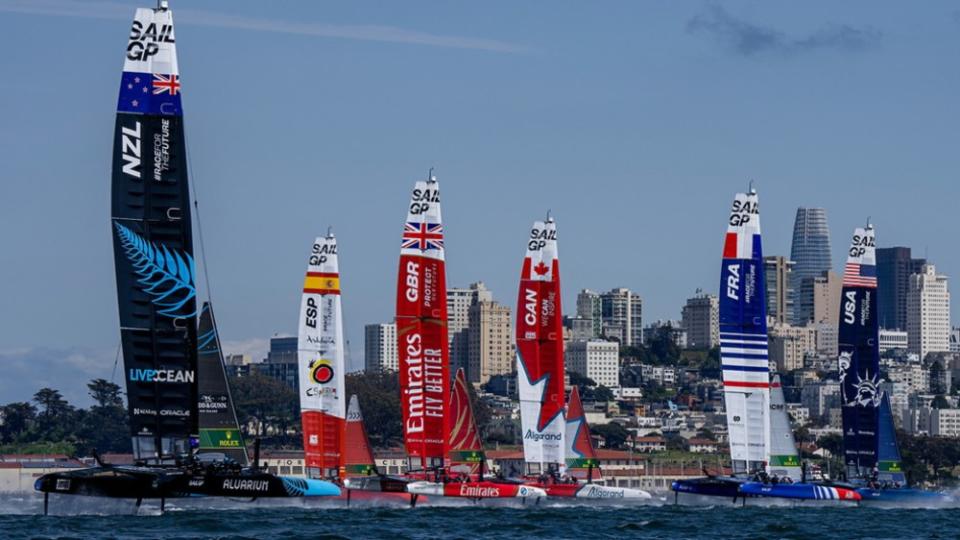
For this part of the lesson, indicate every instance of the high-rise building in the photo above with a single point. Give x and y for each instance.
(789, 345)
(675, 329)
(893, 339)
(928, 312)
(595, 359)
(589, 307)
(491, 348)
(778, 273)
(459, 301)
(819, 299)
(281, 362)
(955, 340)
(580, 329)
(701, 321)
(894, 268)
(622, 315)
(810, 252)
(380, 347)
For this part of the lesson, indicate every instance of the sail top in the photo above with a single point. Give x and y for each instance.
(743, 228)
(423, 230)
(540, 262)
(861, 267)
(152, 47)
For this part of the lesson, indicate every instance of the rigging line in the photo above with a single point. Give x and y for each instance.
(196, 210)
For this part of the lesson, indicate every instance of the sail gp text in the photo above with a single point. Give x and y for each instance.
(424, 392)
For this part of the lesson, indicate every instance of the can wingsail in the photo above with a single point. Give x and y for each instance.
(465, 447)
(784, 458)
(219, 429)
(422, 347)
(153, 245)
(320, 355)
(540, 368)
(859, 355)
(743, 337)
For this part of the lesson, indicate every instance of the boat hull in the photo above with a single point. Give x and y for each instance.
(475, 490)
(710, 486)
(903, 496)
(813, 492)
(161, 482)
(592, 491)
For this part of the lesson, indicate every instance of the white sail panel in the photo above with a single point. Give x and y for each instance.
(784, 458)
(151, 46)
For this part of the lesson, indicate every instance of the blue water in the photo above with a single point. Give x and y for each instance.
(268, 520)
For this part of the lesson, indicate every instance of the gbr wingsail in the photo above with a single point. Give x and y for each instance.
(320, 355)
(540, 369)
(219, 429)
(153, 244)
(422, 348)
(743, 337)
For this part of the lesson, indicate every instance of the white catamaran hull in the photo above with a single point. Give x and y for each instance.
(475, 490)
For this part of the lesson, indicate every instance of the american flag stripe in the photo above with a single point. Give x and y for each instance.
(858, 275)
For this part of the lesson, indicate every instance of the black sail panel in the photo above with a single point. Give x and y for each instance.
(153, 246)
(219, 429)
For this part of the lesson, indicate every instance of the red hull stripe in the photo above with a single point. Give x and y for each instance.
(730, 246)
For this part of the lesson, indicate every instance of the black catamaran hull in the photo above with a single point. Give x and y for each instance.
(130, 482)
(710, 486)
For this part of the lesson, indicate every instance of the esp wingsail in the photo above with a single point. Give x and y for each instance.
(540, 368)
(859, 355)
(153, 245)
(219, 429)
(743, 337)
(320, 355)
(422, 346)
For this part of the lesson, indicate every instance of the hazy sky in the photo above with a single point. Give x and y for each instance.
(635, 122)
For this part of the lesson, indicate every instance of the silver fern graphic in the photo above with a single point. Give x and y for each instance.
(164, 274)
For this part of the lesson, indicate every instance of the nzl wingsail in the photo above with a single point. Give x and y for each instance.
(219, 429)
(157, 300)
(320, 355)
(743, 337)
(422, 347)
(540, 368)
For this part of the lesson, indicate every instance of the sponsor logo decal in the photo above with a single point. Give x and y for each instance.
(421, 199)
(733, 282)
(237, 484)
(742, 211)
(161, 375)
(130, 149)
(531, 435)
(424, 392)
(145, 40)
(321, 371)
(467, 490)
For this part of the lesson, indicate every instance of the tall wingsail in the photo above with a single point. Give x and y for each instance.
(219, 429)
(357, 454)
(859, 355)
(153, 244)
(320, 355)
(784, 458)
(743, 337)
(540, 368)
(580, 453)
(465, 447)
(422, 346)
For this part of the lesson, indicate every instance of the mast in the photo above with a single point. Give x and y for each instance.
(422, 347)
(784, 458)
(859, 355)
(153, 245)
(465, 447)
(219, 429)
(540, 369)
(320, 357)
(743, 337)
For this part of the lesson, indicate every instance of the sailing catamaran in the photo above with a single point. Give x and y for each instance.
(422, 348)
(157, 299)
(746, 372)
(464, 475)
(320, 357)
(540, 370)
(869, 441)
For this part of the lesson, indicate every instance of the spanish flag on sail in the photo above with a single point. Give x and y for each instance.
(321, 283)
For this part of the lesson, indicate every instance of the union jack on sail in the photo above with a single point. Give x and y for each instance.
(422, 236)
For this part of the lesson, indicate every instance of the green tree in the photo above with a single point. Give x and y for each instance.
(105, 393)
(706, 433)
(602, 393)
(104, 427)
(663, 347)
(267, 402)
(56, 419)
(379, 395)
(18, 420)
(613, 433)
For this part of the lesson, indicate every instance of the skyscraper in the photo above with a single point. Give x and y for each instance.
(778, 273)
(380, 347)
(810, 252)
(894, 268)
(490, 350)
(701, 321)
(589, 308)
(459, 301)
(622, 314)
(281, 362)
(928, 312)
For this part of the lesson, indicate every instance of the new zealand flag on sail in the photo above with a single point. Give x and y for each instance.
(150, 93)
